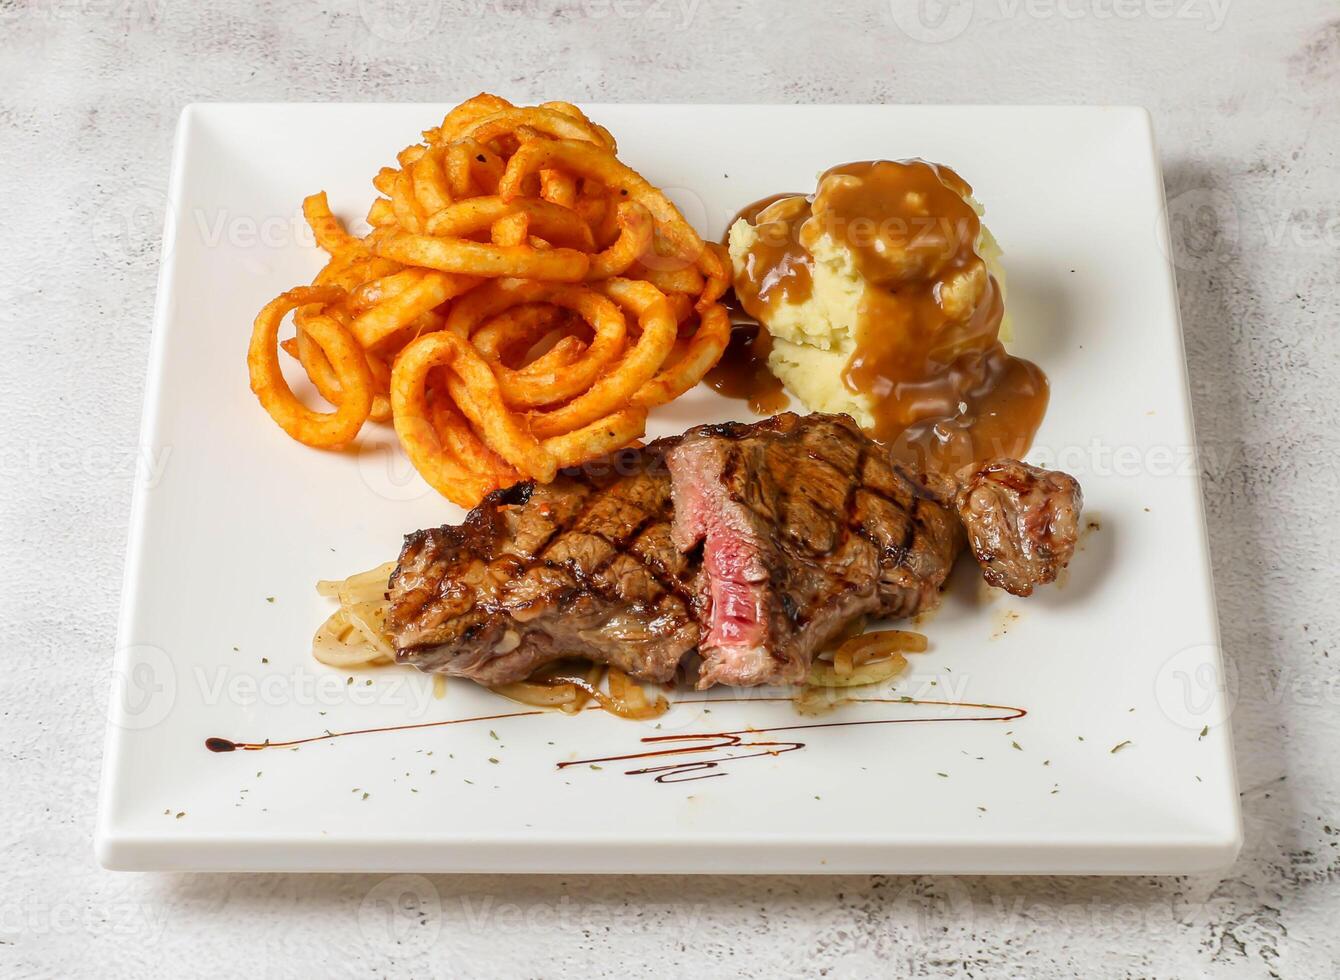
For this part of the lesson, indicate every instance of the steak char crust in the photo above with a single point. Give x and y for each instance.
(581, 566)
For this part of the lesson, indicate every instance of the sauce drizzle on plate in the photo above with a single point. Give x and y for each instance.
(718, 745)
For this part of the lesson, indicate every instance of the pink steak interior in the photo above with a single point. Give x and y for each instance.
(736, 575)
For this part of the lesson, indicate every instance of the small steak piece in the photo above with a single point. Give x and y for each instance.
(805, 525)
(1022, 522)
(582, 566)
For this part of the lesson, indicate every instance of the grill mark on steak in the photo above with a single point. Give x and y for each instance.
(617, 547)
(659, 572)
(732, 461)
(853, 484)
(624, 549)
(562, 527)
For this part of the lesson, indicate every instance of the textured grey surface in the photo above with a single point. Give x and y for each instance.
(1244, 96)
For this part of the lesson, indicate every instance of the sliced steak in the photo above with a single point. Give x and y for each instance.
(756, 544)
(582, 566)
(805, 525)
(1022, 522)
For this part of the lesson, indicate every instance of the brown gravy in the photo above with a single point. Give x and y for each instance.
(743, 371)
(945, 392)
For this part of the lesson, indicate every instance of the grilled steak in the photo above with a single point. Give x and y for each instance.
(754, 544)
(583, 565)
(805, 525)
(1022, 522)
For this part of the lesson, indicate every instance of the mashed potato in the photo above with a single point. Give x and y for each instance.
(813, 340)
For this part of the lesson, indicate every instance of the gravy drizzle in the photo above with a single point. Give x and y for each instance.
(743, 371)
(945, 392)
(719, 743)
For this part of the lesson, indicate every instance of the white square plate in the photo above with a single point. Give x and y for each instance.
(236, 522)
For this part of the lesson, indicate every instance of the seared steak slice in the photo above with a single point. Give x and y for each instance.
(1022, 522)
(805, 525)
(756, 544)
(582, 566)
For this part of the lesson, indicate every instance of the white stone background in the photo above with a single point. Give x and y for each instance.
(1244, 96)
